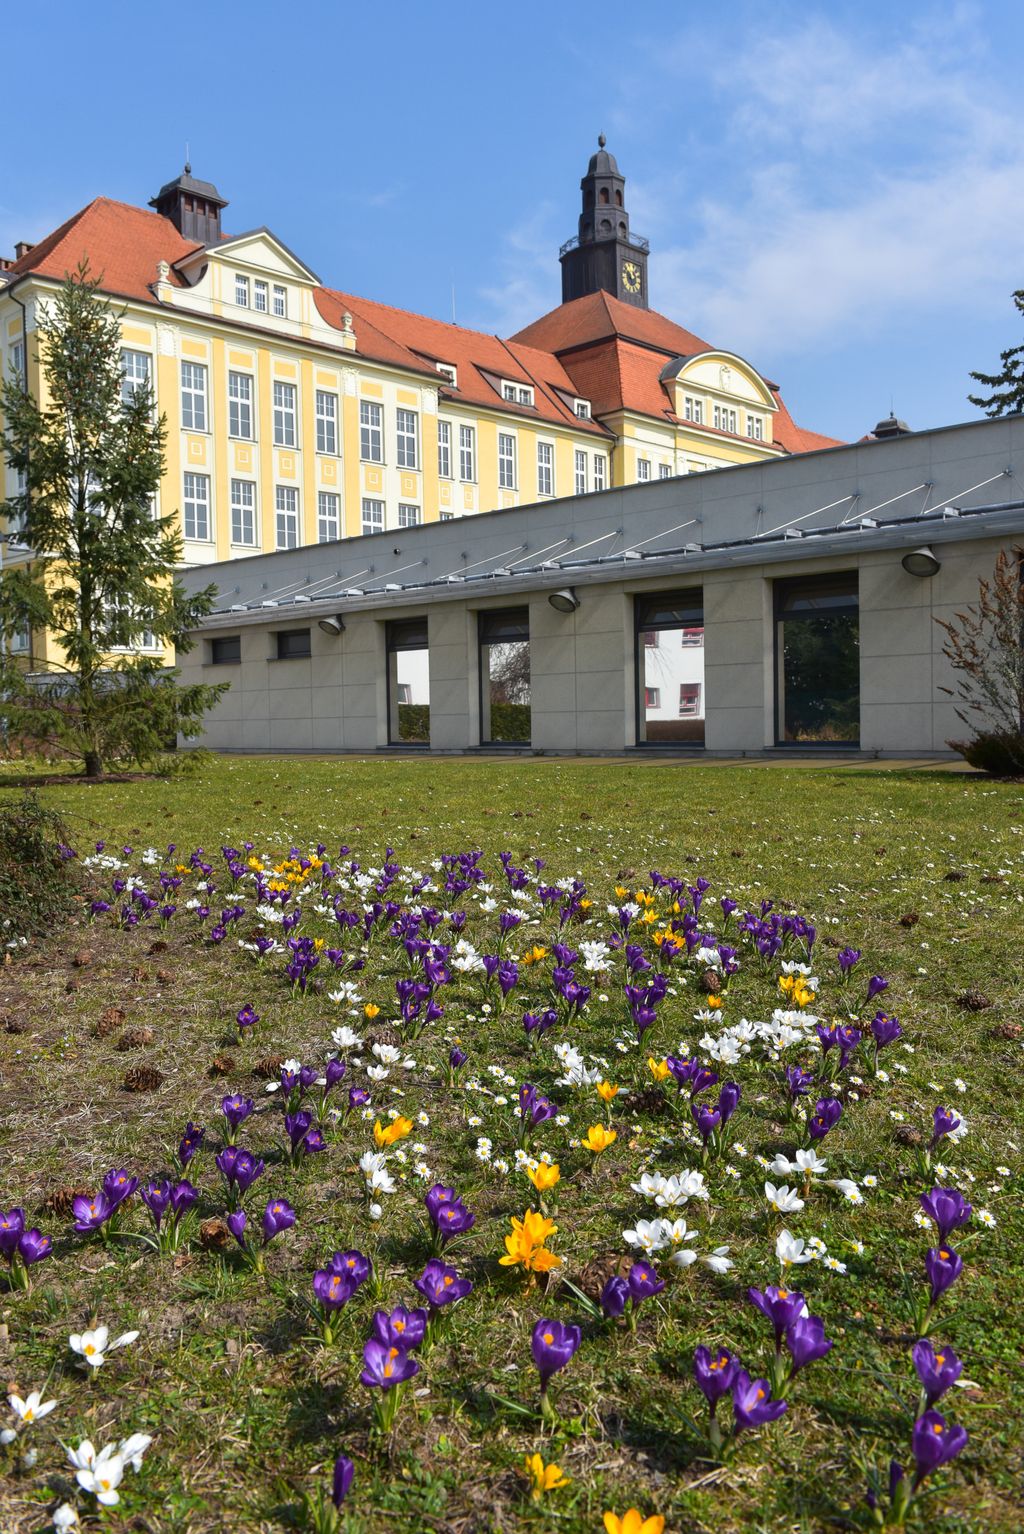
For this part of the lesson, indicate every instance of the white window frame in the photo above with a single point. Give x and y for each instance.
(373, 515)
(243, 513)
(545, 468)
(279, 301)
(407, 438)
(409, 516)
(467, 454)
(133, 377)
(327, 422)
(195, 507)
(285, 397)
(506, 461)
(449, 372)
(755, 427)
(664, 471)
(286, 517)
(693, 710)
(195, 415)
(328, 516)
(693, 410)
(240, 400)
(371, 431)
(600, 471)
(261, 296)
(444, 449)
(241, 290)
(643, 470)
(580, 471)
(725, 418)
(16, 361)
(582, 408)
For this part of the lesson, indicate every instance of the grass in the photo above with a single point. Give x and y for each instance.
(247, 1408)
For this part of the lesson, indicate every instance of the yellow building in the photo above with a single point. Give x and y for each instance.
(299, 414)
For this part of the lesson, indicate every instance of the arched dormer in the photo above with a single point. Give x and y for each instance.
(721, 390)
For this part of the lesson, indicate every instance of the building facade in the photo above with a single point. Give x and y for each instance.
(778, 606)
(298, 414)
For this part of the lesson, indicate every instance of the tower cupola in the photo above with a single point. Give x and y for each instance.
(193, 207)
(604, 254)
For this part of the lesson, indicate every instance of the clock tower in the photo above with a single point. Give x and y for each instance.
(604, 256)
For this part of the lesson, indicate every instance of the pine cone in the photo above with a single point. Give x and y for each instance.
(954, 876)
(973, 1000)
(214, 1235)
(165, 976)
(647, 1100)
(135, 1038)
(221, 1065)
(267, 1067)
(1007, 1031)
(138, 974)
(906, 1135)
(158, 947)
(143, 1078)
(82, 958)
(711, 980)
(61, 1201)
(910, 920)
(110, 1021)
(593, 1276)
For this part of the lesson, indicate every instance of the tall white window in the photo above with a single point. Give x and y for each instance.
(243, 512)
(371, 434)
(580, 479)
(286, 505)
(408, 516)
(280, 301)
(755, 427)
(134, 374)
(693, 410)
(259, 296)
(444, 449)
(643, 468)
(506, 460)
(407, 437)
(240, 405)
(241, 290)
(193, 396)
(373, 516)
(664, 471)
(16, 360)
(328, 525)
(467, 452)
(284, 415)
(197, 506)
(326, 422)
(21, 641)
(600, 471)
(725, 418)
(545, 468)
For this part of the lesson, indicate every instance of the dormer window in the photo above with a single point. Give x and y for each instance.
(516, 393)
(755, 427)
(693, 410)
(449, 372)
(260, 295)
(280, 296)
(725, 418)
(241, 290)
(582, 409)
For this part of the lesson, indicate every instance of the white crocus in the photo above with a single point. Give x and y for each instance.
(65, 1518)
(94, 1346)
(345, 1038)
(789, 1249)
(848, 1188)
(784, 1200)
(132, 1449)
(679, 1189)
(103, 1476)
(719, 1260)
(807, 1163)
(31, 1409)
(650, 1184)
(648, 1235)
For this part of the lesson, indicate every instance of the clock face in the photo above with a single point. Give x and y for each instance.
(630, 276)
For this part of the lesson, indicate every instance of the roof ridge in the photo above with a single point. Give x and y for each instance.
(414, 314)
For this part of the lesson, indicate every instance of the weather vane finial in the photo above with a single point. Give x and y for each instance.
(601, 141)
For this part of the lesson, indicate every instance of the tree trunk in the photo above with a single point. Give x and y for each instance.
(93, 764)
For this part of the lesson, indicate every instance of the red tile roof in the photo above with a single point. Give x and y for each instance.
(596, 347)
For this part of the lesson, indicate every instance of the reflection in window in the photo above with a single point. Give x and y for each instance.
(408, 683)
(817, 654)
(505, 677)
(670, 668)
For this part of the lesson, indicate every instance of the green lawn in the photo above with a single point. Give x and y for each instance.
(923, 871)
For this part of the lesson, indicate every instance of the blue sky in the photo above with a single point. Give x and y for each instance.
(833, 191)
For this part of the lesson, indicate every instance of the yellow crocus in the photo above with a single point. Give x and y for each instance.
(621, 891)
(633, 1522)
(658, 1068)
(536, 955)
(598, 1138)
(606, 1091)
(714, 1001)
(370, 1010)
(396, 1130)
(525, 1246)
(544, 1175)
(542, 1477)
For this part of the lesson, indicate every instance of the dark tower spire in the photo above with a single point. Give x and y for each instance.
(604, 255)
(194, 207)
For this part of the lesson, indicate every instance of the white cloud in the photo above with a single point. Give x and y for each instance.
(529, 283)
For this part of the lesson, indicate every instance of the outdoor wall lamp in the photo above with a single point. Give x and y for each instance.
(564, 601)
(921, 562)
(333, 626)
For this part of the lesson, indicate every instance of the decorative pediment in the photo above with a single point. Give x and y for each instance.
(722, 374)
(258, 252)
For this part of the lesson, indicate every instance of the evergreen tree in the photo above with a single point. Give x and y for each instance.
(1007, 397)
(100, 577)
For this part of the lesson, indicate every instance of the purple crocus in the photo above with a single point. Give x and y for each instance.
(400, 1328)
(643, 1282)
(614, 1296)
(848, 959)
(885, 1029)
(119, 1185)
(12, 1223)
(935, 1443)
(751, 1402)
(333, 1290)
(157, 1198)
(707, 1119)
(947, 1208)
(827, 1113)
(236, 1109)
(944, 1122)
(729, 1100)
(333, 1073)
(937, 1371)
(358, 1097)
(352, 1265)
(341, 1480)
(806, 1341)
(552, 1346)
(191, 1141)
(876, 985)
(247, 1169)
(236, 1222)
(246, 1017)
(385, 1367)
(457, 1057)
(715, 1373)
(297, 1127)
(92, 1213)
(942, 1268)
(33, 1246)
(440, 1284)
(278, 1215)
(782, 1307)
(798, 1081)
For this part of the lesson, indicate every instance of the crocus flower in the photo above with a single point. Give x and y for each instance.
(947, 1208)
(236, 1222)
(157, 1198)
(714, 1373)
(236, 1109)
(94, 1346)
(781, 1306)
(552, 1346)
(798, 1081)
(599, 1138)
(119, 1185)
(544, 1176)
(12, 1224)
(278, 1215)
(32, 1409)
(385, 1367)
(728, 1100)
(247, 1017)
(937, 1371)
(614, 1296)
(247, 1169)
(341, 1480)
(885, 1029)
(352, 1265)
(33, 1246)
(806, 1341)
(944, 1122)
(935, 1443)
(827, 1113)
(441, 1285)
(191, 1141)
(942, 1267)
(751, 1402)
(876, 985)
(91, 1213)
(643, 1282)
(333, 1290)
(633, 1522)
(542, 1477)
(707, 1119)
(526, 1246)
(400, 1328)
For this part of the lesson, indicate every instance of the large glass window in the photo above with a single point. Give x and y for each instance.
(371, 432)
(134, 374)
(506, 461)
(545, 468)
(196, 507)
(505, 677)
(240, 405)
(467, 453)
(408, 683)
(193, 396)
(328, 516)
(284, 414)
(286, 508)
(817, 661)
(243, 511)
(444, 449)
(407, 436)
(670, 668)
(326, 422)
(373, 515)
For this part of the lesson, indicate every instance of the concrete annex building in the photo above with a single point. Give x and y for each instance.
(786, 604)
